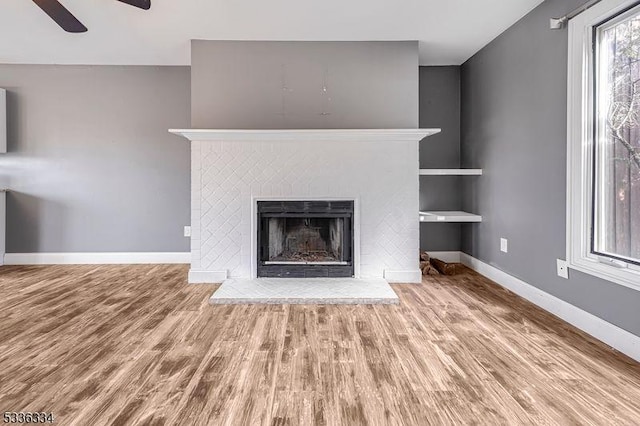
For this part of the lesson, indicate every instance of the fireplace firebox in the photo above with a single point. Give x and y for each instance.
(301, 239)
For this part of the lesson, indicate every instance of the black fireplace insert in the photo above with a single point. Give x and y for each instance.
(302, 239)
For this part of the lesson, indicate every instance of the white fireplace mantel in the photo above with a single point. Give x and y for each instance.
(340, 135)
(376, 168)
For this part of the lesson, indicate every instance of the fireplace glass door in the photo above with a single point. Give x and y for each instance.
(305, 238)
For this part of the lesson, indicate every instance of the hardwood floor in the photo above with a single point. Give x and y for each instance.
(137, 345)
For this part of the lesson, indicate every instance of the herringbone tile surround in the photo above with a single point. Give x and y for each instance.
(227, 176)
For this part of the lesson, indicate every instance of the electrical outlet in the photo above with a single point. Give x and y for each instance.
(187, 231)
(504, 245)
(563, 268)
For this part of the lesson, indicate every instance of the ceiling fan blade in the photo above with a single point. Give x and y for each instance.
(142, 4)
(61, 16)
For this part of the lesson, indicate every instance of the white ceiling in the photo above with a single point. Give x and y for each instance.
(449, 31)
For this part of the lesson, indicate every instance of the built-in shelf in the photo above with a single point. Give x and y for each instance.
(449, 216)
(450, 172)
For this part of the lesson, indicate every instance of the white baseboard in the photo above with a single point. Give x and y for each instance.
(612, 335)
(95, 258)
(414, 276)
(207, 277)
(446, 256)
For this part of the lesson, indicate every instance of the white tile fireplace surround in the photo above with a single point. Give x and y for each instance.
(231, 170)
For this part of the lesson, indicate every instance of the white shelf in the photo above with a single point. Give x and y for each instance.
(449, 216)
(450, 172)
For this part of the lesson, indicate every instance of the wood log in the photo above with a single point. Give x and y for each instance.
(425, 265)
(427, 269)
(446, 268)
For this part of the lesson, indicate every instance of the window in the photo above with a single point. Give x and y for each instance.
(603, 215)
(616, 173)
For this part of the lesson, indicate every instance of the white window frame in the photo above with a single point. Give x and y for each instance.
(580, 96)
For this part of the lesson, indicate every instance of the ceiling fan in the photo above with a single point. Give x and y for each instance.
(70, 23)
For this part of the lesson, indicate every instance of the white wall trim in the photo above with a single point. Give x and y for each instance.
(612, 335)
(446, 256)
(95, 258)
(413, 276)
(207, 277)
(3, 206)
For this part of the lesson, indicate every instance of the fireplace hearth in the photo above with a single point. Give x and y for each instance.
(299, 239)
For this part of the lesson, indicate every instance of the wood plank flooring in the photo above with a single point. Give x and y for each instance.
(122, 345)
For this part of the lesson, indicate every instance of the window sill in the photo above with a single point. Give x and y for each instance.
(618, 275)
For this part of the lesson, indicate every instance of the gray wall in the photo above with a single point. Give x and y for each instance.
(90, 161)
(253, 85)
(440, 107)
(514, 106)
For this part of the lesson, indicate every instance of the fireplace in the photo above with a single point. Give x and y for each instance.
(299, 239)
(233, 170)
